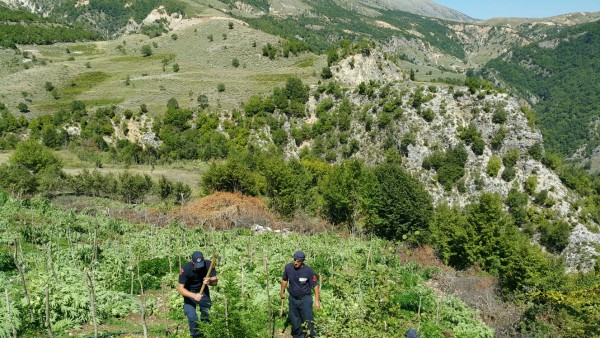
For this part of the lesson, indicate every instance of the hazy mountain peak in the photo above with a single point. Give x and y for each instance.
(428, 8)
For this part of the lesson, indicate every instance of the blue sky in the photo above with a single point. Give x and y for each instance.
(485, 9)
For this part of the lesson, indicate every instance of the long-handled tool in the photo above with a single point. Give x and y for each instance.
(210, 268)
(281, 316)
(281, 309)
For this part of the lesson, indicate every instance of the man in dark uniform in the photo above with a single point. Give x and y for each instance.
(300, 278)
(191, 278)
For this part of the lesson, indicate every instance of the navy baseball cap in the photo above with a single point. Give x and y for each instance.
(198, 259)
(411, 333)
(299, 255)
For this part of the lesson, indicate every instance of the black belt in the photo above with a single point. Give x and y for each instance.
(298, 298)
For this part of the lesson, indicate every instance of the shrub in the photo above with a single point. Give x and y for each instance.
(400, 205)
(499, 116)
(478, 146)
(147, 50)
(202, 101)
(234, 176)
(6, 261)
(511, 157)
(531, 184)
(34, 157)
(49, 86)
(253, 106)
(509, 174)
(493, 166)
(428, 114)
(536, 151)
(555, 236)
(551, 161)
(541, 197)
(295, 90)
(498, 139)
(23, 108)
(133, 188)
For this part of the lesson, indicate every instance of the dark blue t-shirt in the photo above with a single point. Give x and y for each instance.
(300, 281)
(192, 279)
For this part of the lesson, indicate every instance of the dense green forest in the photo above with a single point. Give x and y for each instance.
(21, 27)
(563, 74)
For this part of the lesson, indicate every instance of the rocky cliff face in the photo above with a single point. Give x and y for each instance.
(455, 109)
(452, 113)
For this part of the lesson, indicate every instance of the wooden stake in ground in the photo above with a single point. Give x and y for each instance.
(23, 283)
(242, 281)
(48, 325)
(12, 325)
(271, 323)
(162, 288)
(227, 318)
(91, 295)
(142, 303)
(50, 262)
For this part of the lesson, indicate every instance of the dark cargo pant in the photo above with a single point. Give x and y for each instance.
(189, 308)
(301, 316)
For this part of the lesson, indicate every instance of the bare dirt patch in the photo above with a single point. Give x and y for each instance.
(4, 157)
(386, 25)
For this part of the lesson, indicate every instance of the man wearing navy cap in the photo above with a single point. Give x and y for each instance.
(300, 278)
(191, 278)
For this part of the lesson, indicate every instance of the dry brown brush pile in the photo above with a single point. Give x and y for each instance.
(225, 210)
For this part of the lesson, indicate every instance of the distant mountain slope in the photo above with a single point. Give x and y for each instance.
(420, 7)
(428, 8)
(23, 27)
(561, 76)
(325, 24)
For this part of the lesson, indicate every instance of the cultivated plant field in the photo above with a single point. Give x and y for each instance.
(65, 273)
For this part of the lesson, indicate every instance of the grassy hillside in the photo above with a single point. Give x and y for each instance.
(116, 72)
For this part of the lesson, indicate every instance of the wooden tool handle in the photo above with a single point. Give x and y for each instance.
(210, 268)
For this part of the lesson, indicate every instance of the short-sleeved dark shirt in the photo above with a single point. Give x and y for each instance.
(192, 279)
(300, 281)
